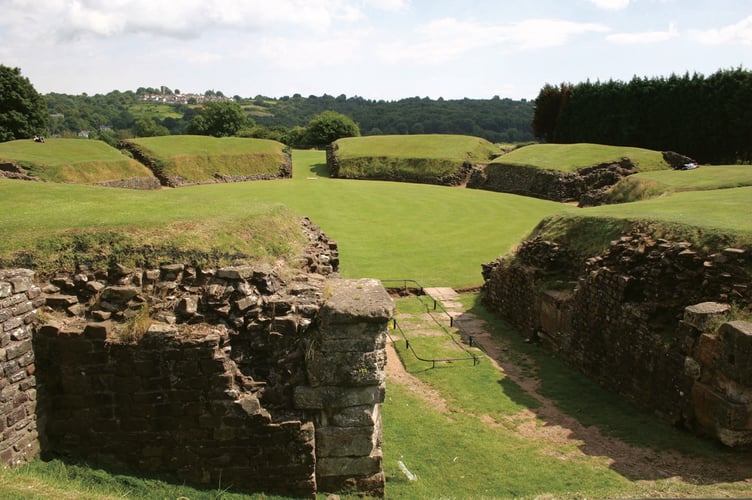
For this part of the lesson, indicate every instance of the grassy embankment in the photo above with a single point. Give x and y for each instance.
(435, 234)
(421, 158)
(198, 158)
(71, 160)
(647, 185)
(439, 236)
(570, 157)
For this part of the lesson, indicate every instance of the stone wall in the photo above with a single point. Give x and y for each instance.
(625, 319)
(252, 377)
(19, 299)
(417, 170)
(584, 186)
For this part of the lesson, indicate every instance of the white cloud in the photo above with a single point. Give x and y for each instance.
(76, 19)
(307, 53)
(445, 39)
(645, 37)
(739, 33)
(389, 5)
(611, 4)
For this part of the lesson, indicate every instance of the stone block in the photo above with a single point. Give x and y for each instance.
(736, 351)
(363, 300)
(119, 294)
(349, 466)
(344, 441)
(703, 315)
(61, 301)
(356, 416)
(318, 398)
(235, 273)
(347, 369)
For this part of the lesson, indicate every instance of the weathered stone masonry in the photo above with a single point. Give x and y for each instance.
(241, 378)
(636, 319)
(19, 300)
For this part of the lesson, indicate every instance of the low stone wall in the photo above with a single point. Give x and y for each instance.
(584, 186)
(625, 318)
(19, 300)
(145, 183)
(252, 377)
(417, 170)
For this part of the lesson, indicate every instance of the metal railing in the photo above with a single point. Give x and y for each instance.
(419, 292)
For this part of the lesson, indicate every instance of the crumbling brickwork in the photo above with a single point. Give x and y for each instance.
(19, 299)
(625, 319)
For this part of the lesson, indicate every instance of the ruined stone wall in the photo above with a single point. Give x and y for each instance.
(252, 377)
(584, 186)
(172, 403)
(621, 318)
(19, 299)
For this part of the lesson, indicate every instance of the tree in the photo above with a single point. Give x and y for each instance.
(548, 106)
(220, 119)
(147, 127)
(328, 126)
(23, 111)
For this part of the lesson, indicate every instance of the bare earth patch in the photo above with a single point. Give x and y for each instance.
(568, 439)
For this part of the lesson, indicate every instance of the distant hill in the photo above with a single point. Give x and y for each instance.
(113, 115)
(496, 120)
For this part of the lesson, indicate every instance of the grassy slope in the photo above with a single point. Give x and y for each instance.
(653, 184)
(570, 157)
(409, 156)
(436, 146)
(386, 229)
(154, 110)
(72, 160)
(436, 234)
(198, 158)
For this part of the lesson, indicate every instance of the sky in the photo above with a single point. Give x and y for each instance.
(376, 49)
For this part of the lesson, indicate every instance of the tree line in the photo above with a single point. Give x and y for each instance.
(112, 115)
(707, 118)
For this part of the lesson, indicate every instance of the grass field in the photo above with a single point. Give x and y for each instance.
(154, 110)
(439, 236)
(72, 160)
(570, 157)
(197, 158)
(483, 442)
(435, 234)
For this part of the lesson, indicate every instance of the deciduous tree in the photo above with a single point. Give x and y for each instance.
(23, 111)
(329, 126)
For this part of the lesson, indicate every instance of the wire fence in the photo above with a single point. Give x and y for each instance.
(435, 310)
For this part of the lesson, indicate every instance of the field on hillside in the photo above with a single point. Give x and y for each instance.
(196, 158)
(570, 157)
(79, 161)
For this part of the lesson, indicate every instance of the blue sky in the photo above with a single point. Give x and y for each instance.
(378, 49)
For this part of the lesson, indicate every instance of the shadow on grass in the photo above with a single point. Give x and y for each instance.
(640, 446)
(71, 475)
(320, 169)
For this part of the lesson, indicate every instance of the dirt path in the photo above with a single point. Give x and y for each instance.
(564, 432)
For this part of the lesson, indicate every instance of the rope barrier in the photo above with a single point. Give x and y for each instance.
(436, 305)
